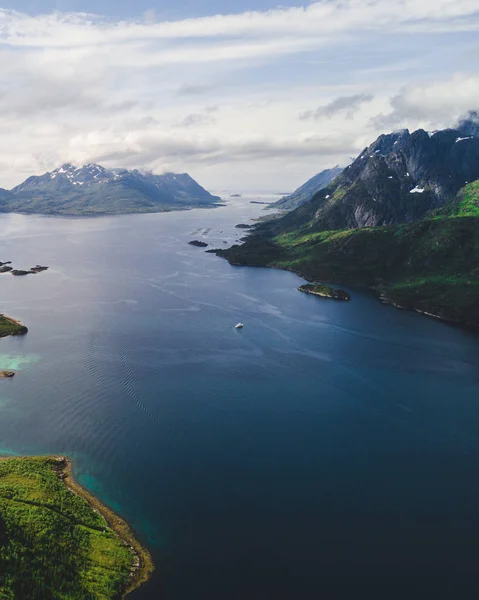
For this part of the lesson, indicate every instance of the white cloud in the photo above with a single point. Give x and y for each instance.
(79, 87)
(347, 105)
(431, 104)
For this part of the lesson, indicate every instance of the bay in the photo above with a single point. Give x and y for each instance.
(324, 448)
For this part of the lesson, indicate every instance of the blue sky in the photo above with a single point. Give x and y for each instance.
(243, 95)
(136, 8)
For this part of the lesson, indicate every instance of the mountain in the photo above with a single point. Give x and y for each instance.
(307, 190)
(397, 179)
(92, 189)
(5, 197)
(402, 220)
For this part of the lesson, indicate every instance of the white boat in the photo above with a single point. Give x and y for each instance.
(239, 326)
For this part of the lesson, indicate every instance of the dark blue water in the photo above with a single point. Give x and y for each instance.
(325, 450)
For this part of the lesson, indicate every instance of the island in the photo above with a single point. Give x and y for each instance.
(325, 291)
(9, 326)
(70, 544)
(38, 269)
(7, 374)
(198, 243)
(243, 226)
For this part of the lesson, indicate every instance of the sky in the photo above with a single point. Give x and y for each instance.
(244, 95)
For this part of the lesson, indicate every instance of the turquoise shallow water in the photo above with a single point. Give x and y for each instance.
(325, 448)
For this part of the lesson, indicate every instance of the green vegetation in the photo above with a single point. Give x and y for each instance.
(53, 543)
(9, 326)
(430, 265)
(466, 203)
(323, 290)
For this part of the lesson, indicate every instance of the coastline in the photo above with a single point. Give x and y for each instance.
(16, 321)
(377, 293)
(142, 565)
(18, 327)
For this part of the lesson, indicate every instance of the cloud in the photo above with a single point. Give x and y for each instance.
(195, 90)
(430, 104)
(348, 105)
(319, 18)
(196, 119)
(83, 88)
(161, 151)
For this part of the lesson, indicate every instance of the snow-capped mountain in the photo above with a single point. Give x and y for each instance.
(67, 174)
(92, 189)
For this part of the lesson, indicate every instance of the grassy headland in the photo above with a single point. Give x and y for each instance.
(9, 326)
(57, 541)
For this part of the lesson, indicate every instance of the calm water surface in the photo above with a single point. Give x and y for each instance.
(324, 450)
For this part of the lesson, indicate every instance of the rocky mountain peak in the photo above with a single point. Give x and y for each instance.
(399, 178)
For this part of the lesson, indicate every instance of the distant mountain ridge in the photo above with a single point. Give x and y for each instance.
(307, 190)
(92, 189)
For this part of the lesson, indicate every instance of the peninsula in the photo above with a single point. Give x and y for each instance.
(72, 546)
(9, 326)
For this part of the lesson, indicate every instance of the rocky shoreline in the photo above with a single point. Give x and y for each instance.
(142, 564)
(378, 292)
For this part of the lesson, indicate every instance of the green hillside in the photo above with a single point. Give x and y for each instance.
(53, 544)
(466, 203)
(431, 265)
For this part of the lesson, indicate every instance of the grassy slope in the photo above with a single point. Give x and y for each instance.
(431, 265)
(10, 327)
(52, 543)
(466, 203)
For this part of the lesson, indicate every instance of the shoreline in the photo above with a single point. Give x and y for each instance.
(142, 564)
(375, 292)
(23, 329)
(16, 321)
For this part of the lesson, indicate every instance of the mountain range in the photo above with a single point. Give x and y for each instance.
(401, 220)
(307, 190)
(92, 189)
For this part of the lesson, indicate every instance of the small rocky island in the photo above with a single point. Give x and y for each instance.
(243, 226)
(7, 374)
(38, 269)
(198, 243)
(21, 272)
(325, 291)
